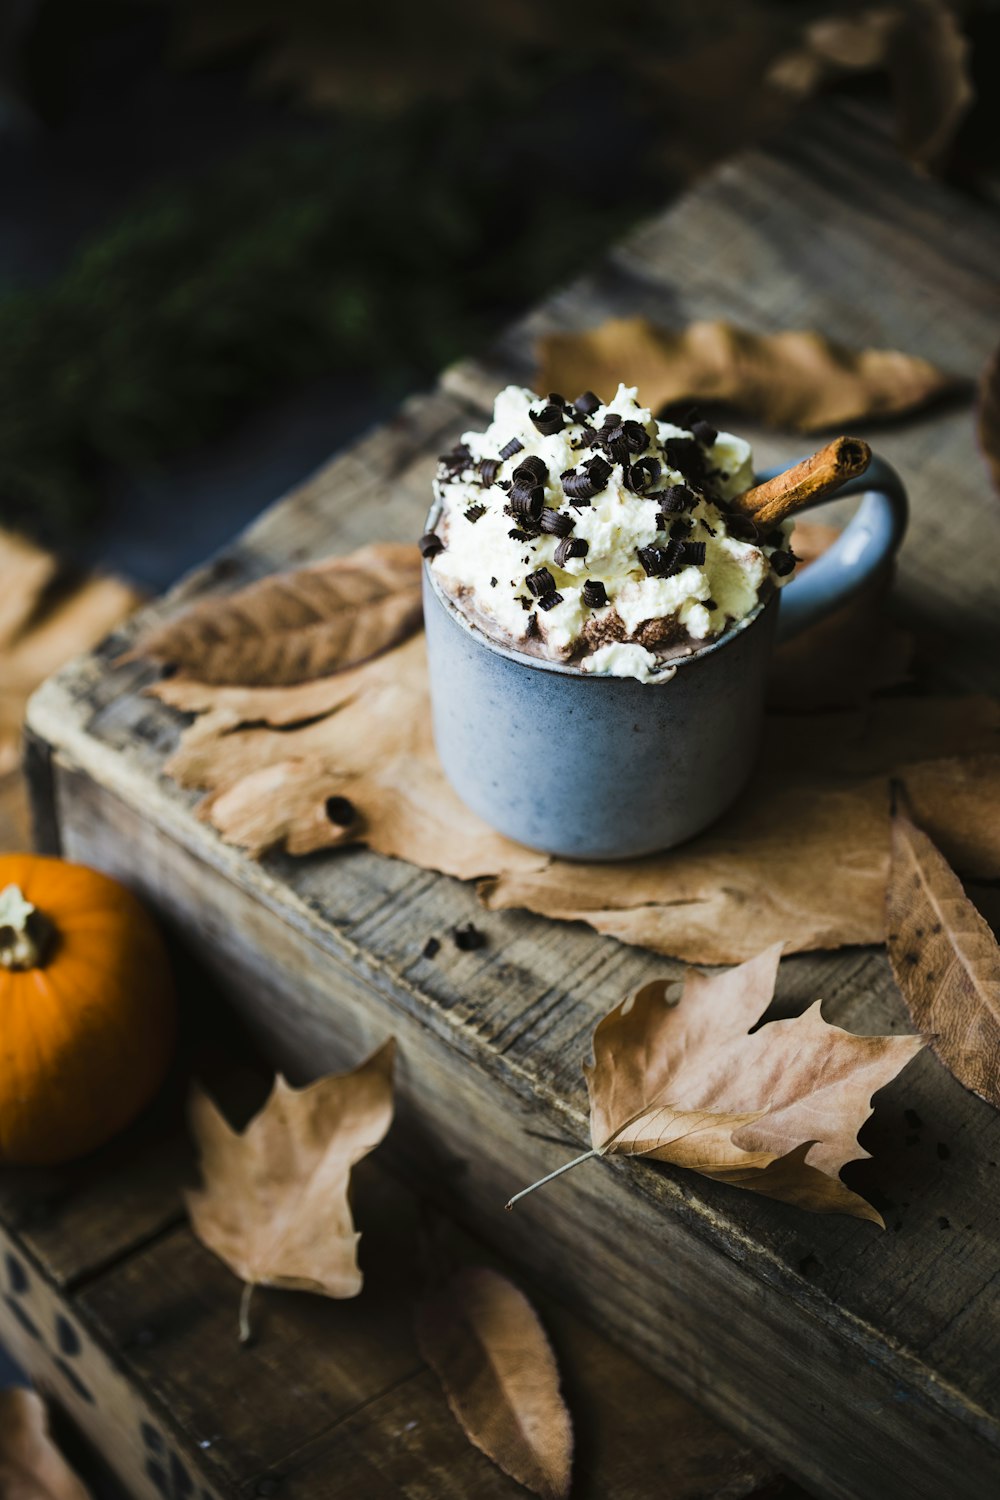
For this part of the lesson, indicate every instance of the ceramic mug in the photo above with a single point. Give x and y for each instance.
(593, 768)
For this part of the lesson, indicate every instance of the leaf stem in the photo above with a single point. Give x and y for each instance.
(246, 1333)
(557, 1173)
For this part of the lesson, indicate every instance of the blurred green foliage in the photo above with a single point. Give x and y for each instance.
(377, 248)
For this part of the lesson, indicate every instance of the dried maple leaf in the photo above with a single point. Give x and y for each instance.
(921, 47)
(483, 1340)
(989, 417)
(274, 1204)
(295, 627)
(795, 379)
(776, 1111)
(945, 959)
(31, 1467)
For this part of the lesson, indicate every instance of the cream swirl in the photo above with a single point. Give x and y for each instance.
(563, 529)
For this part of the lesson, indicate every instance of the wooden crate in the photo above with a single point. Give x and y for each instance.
(130, 1326)
(865, 1364)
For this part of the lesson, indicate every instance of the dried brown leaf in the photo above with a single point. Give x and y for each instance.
(803, 857)
(989, 417)
(483, 1339)
(919, 44)
(274, 1205)
(47, 615)
(295, 627)
(945, 959)
(31, 1467)
(776, 1111)
(796, 379)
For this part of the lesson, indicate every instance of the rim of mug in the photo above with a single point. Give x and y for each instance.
(570, 669)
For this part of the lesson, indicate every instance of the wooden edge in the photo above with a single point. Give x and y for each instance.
(50, 1342)
(659, 1191)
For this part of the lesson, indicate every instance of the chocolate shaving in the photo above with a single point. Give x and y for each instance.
(489, 468)
(692, 552)
(635, 436)
(549, 601)
(704, 432)
(709, 604)
(661, 562)
(570, 546)
(578, 485)
(684, 455)
(675, 497)
(533, 469)
(554, 399)
(540, 583)
(640, 475)
(742, 528)
(527, 499)
(531, 629)
(493, 583)
(556, 522)
(432, 947)
(680, 529)
(549, 420)
(518, 534)
(474, 512)
(509, 449)
(595, 595)
(587, 402)
(468, 937)
(430, 544)
(599, 470)
(456, 460)
(341, 811)
(783, 563)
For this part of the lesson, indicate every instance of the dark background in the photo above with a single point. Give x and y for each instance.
(237, 232)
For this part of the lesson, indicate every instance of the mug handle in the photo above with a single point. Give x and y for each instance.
(865, 546)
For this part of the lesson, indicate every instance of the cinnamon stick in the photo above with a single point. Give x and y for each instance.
(826, 470)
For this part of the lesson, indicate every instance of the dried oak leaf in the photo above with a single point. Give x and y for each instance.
(483, 1340)
(274, 1205)
(803, 856)
(921, 47)
(31, 1467)
(945, 959)
(776, 1111)
(294, 627)
(989, 417)
(794, 379)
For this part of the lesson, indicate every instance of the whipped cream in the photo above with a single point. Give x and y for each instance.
(594, 534)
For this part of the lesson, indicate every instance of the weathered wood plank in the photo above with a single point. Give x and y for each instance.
(332, 1398)
(653, 1255)
(828, 1319)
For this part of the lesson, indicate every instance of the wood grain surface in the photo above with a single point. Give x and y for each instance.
(136, 1340)
(866, 1363)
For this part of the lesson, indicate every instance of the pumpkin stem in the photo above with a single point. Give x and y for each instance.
(25, 934)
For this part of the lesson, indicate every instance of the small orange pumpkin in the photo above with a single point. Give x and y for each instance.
(87, 1014)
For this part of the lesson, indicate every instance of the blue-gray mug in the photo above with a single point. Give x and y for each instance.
(592, 768)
